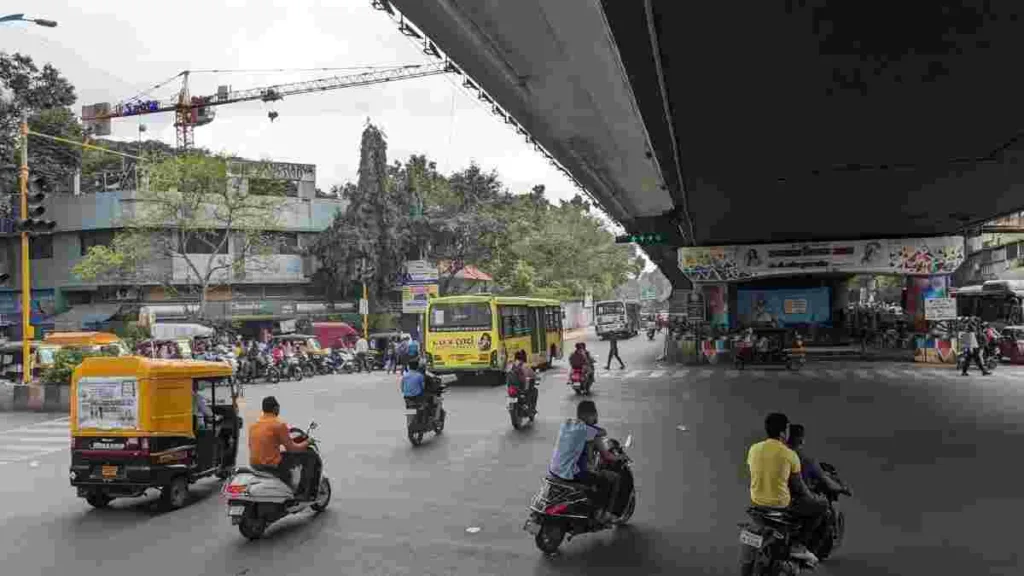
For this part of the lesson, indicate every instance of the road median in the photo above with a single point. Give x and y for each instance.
(34, 398)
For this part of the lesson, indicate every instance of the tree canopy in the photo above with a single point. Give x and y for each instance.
(529, 245)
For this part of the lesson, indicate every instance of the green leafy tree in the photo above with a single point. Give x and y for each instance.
(45, 96)
(65, 361)
(192, 214)
(368, 242)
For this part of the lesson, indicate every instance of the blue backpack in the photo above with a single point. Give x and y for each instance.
(414, 348)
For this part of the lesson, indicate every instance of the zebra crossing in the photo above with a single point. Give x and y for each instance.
(910, 373)
(34, 440)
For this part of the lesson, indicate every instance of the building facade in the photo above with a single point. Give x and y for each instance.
(90, 216)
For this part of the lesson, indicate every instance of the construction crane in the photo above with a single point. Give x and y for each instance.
(191, 111)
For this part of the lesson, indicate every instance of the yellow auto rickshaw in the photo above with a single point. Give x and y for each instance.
(140, 423)
(88, 341)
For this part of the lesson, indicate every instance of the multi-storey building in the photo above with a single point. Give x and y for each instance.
(89, 215)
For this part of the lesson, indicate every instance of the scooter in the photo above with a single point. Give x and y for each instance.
(256, 499)
(563, 509)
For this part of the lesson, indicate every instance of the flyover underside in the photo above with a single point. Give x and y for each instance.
(788, 122)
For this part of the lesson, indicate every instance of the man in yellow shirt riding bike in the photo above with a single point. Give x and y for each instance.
(774, 474)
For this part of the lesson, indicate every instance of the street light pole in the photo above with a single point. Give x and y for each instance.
(21, 18)
(27, 333)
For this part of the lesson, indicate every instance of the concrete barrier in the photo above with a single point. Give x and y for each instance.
(6, 397)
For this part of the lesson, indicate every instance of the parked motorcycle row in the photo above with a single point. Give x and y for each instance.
(299, 365)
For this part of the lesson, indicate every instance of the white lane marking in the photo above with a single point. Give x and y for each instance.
(44, 439)
(836, 374)
(681, 428)
(473, 529)
(864, 374)
(680, 373)
(633, 373)
(891, 374)
(657, 374)
(732, 374)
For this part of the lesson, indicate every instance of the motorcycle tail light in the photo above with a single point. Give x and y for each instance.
(235, 489)
(513, 391)
(556, 509)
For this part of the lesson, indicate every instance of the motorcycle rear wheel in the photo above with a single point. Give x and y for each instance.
(439, 425)
(415, 437)
(517, 420)
(549, 538)
(323, 495)
(252, 527)
(627, 512)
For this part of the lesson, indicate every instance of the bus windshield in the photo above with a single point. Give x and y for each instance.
(461, 317)
(609, 308)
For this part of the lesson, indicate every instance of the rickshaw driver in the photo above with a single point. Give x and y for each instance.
(266, 437)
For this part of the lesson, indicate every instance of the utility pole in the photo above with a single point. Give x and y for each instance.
(365, 307)
(27, 333)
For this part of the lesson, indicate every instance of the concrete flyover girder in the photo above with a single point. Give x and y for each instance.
(555, 68)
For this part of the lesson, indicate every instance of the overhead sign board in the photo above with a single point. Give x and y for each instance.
(907, 256)
(649, 293)
(940, 309)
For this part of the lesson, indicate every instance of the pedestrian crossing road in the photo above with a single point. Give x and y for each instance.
(31, 441)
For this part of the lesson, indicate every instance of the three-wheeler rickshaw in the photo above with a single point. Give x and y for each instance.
(770, 346)
(139, 423)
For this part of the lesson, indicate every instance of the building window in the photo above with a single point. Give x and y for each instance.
(40, 247)
(95, 238)
(286, 243)
(269, 187)
(206, 242)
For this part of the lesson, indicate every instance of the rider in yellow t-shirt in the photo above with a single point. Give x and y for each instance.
(774, 473)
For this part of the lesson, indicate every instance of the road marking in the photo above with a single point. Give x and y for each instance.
(732, 374)
(836, 374)
(680, 373)
(46, 440)
(633, 373)
(657, 374)
(29, 448)
(891, 374)
(861, 373)
(809, 372)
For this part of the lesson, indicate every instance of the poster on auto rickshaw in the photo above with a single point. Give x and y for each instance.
(108, 403)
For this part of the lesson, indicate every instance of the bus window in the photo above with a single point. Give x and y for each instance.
(460, 317)
(609, 308)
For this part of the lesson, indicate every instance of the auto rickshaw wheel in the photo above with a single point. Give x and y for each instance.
(175, 494)
(98, 499)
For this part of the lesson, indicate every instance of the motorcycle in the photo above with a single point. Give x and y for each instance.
(291, 368)
(421, 415)
(562, 509)
(579, 382)
(306, 364)
(767, 541)
(829, 535)
(521, 405)
(650, 333)
(256, 498)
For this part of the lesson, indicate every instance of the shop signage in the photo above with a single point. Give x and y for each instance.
(415, 298)
(908, 256)
(940, 309)
(419, 272)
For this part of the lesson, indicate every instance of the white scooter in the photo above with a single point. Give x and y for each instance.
(257, 499)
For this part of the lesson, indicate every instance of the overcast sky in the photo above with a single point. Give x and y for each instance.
(111, 50)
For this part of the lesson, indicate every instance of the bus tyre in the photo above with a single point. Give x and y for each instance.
(98, 500)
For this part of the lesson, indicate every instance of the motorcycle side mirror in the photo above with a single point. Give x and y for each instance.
(629, 441)
(313, 425)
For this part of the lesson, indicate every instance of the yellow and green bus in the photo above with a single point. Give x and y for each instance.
(481, 333)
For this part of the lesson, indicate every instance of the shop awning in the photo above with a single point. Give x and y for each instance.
(85, 316)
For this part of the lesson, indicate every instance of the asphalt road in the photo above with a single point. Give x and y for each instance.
(932, 458)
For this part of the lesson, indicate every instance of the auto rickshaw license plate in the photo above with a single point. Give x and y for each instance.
(109, 471)
(236, 510)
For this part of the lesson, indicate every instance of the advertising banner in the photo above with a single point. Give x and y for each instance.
(415, 298)
(108, 403)
(940, 309)
(784, 307)
(419, 272)
(909, 256)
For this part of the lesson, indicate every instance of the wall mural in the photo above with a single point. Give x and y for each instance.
(927, 256)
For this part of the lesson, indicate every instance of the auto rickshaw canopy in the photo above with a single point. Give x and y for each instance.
(137, 396)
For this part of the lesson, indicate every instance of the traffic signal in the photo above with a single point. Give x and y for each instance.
(31, 222)
(642, 239)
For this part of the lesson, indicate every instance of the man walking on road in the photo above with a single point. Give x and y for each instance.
(613, 350)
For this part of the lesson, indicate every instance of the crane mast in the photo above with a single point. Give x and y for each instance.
(191, 111)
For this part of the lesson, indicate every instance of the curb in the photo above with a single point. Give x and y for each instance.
(35, 398)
